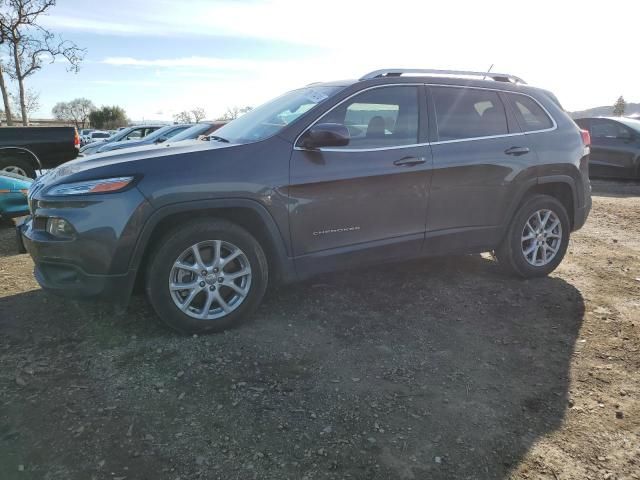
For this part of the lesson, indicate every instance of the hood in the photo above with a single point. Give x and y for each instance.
(123, 144)
(132, 155)
(14, 183)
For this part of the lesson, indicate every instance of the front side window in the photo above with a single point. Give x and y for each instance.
(134, 135)
(529, 113)
(271, 117)
(463, 113)
(378, 118)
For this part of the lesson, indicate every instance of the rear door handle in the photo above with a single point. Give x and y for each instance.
(517, 151)
(409, 161)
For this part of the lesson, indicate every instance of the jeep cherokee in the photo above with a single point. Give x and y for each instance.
(398, 164)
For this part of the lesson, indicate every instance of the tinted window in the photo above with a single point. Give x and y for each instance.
(381, 117)
(135, 134)
(608, 129)
(192, 132)
(468, 113)
(529, 113)
(583, 123)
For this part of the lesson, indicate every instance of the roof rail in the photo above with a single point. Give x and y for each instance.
(396, 72)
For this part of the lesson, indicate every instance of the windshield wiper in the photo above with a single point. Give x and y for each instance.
(218, 139)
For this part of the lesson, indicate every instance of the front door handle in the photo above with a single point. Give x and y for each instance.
(409, 161)
(517, 151)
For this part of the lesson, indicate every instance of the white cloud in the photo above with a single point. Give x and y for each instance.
(545, 42)
(190, 62)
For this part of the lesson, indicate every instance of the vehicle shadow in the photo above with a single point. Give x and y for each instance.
(439, 368)
(615, 188)
(465, 368)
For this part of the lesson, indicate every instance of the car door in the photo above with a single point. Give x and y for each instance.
(612, 149)
(478, 152)
(365, 201)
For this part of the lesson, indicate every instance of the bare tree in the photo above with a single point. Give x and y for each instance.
(183, 117)
(198, 114)
(31, 103)
(234, 112)
(3, 85)
(29, 44)
(76, 111)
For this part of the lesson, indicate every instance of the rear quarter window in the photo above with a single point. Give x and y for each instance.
(529, 113)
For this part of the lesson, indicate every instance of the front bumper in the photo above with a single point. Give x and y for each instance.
(67, 279)
(96, 260)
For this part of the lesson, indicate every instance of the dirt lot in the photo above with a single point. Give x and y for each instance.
(438, 369)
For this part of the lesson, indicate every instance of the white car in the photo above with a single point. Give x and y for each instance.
(96, 135)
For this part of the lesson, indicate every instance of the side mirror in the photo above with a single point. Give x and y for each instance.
(325, 135)
(161, 139)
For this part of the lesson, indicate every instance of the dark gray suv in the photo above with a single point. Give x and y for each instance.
(396, 165)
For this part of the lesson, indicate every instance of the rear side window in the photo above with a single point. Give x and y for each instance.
(529, 113)
(468, 113)
(608, 129)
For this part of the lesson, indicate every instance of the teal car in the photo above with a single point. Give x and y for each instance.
(13, 195)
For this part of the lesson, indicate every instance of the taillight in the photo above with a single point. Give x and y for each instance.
(586, 137)
(76, 140)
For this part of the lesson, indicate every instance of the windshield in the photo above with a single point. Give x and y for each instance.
(271, 117)
(192, 132)
(166, 132)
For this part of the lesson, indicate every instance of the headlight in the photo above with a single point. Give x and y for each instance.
(91, 186)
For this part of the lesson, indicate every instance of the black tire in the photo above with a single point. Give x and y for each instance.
(510, 253)
(21, 163)
(169, 249)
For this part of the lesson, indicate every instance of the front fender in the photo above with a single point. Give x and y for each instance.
(280, 248)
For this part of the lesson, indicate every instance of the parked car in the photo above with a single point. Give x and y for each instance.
(23, 150)
(13, 195)
(202, 129)
(615, 146)
(84, 135)
(397, 165)
(159, 136)
(128, 133)
(97, 135)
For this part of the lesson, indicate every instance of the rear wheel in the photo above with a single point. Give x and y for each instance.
(537, 239)
(18, 166)
(206, 276)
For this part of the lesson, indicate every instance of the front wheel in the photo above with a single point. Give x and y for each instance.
(18, 166)
(206, 276)
(537, 238)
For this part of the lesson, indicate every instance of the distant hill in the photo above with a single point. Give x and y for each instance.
(632, 109)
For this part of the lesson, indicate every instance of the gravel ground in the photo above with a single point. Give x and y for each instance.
(436, 369)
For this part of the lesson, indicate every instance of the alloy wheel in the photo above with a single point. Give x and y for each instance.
(210, 279)
(15, 169)
(541, 237)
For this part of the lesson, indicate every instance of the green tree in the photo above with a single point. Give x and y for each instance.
(619, 107)
(109, 118)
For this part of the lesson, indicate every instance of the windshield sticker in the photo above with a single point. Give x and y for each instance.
(315, 96)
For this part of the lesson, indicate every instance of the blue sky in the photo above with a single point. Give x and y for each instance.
(158, 57)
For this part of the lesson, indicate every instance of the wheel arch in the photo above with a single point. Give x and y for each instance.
(561, 187)
(23, 153)
(248, 214)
